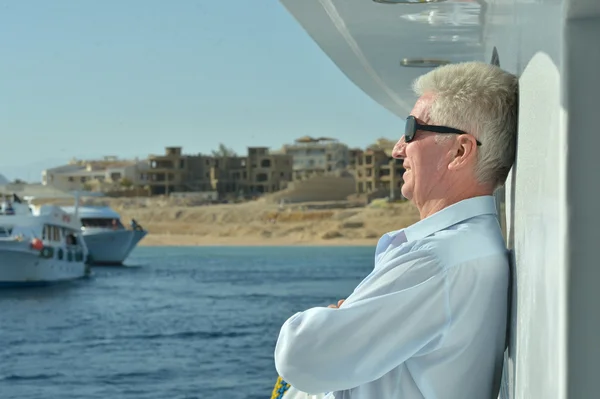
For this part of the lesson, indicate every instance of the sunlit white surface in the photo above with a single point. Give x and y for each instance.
(551, 207)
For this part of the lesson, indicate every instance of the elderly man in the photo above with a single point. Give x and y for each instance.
(430, 319)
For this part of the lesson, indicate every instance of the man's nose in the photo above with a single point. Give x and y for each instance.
(399, 148)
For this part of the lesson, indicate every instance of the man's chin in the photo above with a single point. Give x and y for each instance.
(406, 193)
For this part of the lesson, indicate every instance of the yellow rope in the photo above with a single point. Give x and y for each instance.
(280, 388)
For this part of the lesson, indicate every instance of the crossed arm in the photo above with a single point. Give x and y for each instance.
(399, 311)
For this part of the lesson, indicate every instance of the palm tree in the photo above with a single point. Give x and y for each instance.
(223, 152)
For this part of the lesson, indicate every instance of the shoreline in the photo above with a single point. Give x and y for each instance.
(190, 240)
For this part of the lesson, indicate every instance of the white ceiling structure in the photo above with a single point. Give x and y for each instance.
(369, 40)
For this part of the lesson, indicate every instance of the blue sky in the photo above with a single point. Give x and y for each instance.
(91, 78)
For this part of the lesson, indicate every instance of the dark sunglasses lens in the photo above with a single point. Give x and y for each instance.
(409, 130)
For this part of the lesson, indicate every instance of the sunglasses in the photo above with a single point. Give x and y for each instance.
(412, 126)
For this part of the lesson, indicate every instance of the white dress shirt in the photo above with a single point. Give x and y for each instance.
(428, 322)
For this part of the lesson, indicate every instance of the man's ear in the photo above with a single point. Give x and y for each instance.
(464, 151)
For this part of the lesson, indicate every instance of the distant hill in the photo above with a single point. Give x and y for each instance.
(31, 172)
(3, 180)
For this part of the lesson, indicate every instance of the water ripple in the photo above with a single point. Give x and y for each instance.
(31, 377)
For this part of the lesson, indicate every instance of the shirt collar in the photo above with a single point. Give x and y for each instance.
(451, 215)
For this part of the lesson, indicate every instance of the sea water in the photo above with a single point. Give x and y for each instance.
(175, 323)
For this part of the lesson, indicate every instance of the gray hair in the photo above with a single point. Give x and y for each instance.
(480, 99)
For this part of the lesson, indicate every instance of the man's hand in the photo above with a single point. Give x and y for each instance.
(338, 304)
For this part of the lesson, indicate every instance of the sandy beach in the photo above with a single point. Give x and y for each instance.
(191, 240)
(172, 222)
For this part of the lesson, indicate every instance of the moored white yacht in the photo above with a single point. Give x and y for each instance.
(39, 249)
(108, 241)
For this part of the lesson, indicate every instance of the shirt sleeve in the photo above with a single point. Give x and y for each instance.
(399, 311)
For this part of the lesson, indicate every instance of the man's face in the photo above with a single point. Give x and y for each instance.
(425, 159)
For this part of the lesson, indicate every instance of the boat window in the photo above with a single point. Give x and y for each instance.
(5, 231)
(71, 238)
(7, 209)
(102, 223)
(51, 233)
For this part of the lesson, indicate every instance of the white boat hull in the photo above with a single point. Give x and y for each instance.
(21, 266)
(111, 247)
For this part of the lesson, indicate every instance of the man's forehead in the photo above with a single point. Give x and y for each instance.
(422, 107)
